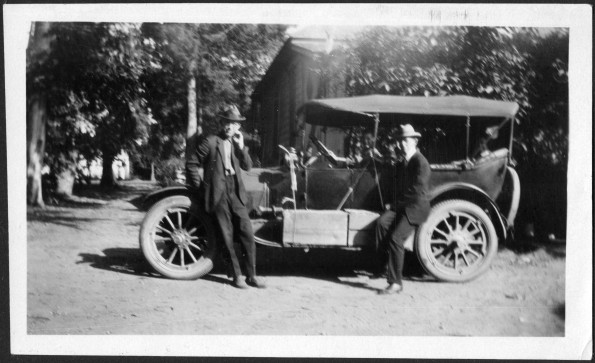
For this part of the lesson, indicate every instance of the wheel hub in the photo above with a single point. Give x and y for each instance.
(180, 237)
(459, 241)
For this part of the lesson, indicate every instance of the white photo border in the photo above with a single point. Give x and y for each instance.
(577, 342)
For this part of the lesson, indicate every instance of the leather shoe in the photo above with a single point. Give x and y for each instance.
(255, 282)
(238, 283)
(391, 289)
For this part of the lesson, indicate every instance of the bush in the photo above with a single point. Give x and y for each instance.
(170, 171)
(543, 200)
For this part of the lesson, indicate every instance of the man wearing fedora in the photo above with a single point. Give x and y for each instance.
(221, 191)
(411, 207)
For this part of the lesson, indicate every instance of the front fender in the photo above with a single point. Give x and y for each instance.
(256, 183)
(149, 199)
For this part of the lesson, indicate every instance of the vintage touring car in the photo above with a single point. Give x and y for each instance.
(325, 203)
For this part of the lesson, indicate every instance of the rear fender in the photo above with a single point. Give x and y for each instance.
(474, 195)
(515, 198)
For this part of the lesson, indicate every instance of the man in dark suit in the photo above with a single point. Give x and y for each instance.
(221, 191)
(411, 208)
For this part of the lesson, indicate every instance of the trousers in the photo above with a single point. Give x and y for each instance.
(392, 229)
(233, 222)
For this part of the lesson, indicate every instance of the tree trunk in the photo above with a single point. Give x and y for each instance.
(194, 124)
(36, 122)
(200, 121)
(153, 172)
(39, 43)
(107, 176)
(192, 127)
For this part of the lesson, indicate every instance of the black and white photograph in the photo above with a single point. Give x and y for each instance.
(300, 180)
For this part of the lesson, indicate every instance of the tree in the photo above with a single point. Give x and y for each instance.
(545, 130)
(543, 134)
(439, 61)
(92, 77)
(203, 67)
(220, 62)
(37, 53)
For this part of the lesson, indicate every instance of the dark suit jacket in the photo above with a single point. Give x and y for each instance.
(206, 153)
(413, 189)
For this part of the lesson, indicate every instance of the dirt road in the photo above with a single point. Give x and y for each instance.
(86, 275)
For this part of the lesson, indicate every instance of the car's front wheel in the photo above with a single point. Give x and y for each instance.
(458, 241)
(178, 242)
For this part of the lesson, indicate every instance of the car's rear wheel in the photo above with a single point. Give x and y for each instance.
(458, 241)
(178, 242)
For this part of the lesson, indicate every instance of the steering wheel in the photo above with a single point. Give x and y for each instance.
(323, 150)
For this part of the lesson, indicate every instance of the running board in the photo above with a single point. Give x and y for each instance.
(265, 242)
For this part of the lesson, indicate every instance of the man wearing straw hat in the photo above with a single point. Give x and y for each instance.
(222, 191)
(411, 208)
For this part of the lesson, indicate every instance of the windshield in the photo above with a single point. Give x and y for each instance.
(332, 137)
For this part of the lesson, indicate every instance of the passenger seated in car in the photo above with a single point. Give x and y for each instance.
(482, 149)
(364, 151)
(367, 150)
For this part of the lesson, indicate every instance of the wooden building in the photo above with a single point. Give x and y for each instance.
(292, 79)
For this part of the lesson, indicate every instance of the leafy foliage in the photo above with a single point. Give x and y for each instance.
(108, 83)
(545, 131)
(93, 75)
(481, 62)
(225, 59)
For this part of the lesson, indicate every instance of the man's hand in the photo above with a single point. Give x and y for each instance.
(238, 139)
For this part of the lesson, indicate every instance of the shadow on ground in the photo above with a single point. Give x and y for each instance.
(326, 262)
(320, 264)
(93, 196)
(121, 260)
(58, 216)
(556, 249)
(124, 190)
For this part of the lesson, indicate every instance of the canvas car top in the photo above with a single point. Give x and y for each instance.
(359, 110)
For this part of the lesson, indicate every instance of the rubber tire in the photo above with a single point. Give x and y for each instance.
(437, 214)
(205, 262)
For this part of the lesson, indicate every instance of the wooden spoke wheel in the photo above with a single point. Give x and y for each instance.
(458, 241)
(178, 242)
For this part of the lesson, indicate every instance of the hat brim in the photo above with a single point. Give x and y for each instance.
(233, 119)
(402, 136)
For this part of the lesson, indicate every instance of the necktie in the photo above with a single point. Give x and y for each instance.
(228, 164)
